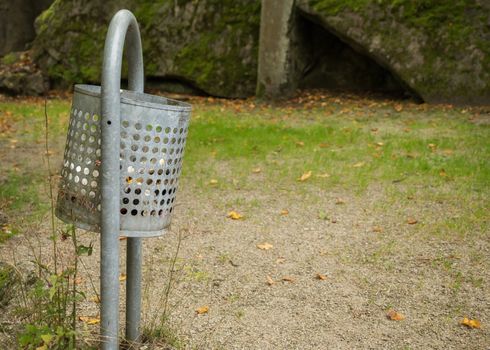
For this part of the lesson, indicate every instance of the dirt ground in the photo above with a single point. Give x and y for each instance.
(273, 299)
(337, 261)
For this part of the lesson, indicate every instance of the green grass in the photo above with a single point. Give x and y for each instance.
(435, 153)
(226, 146)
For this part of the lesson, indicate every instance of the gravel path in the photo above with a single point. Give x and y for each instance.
(273, 299)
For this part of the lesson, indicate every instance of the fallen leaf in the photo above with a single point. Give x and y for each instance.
(319, 276)
(442, 173)
(359, 165)
(256, 170)
(470, 323)
(265, 246)
(288, 279)
(300, 143)
(234, 215)
(380, 144)
(213, 182)
(270, 281)
(78, 280)
(324, 175)
(323, 145)
(412, 221)
(305, 176)
(339, 201)
(377, 229)
(432, 146)
(333, 221)
(398, 107)
(394, 316)
(447, 152)
(89, 320)
(95, 299)
(202, 310)
(374, 129)
(122, 277)
(284, 212)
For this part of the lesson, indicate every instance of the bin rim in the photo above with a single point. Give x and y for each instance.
(138, 98)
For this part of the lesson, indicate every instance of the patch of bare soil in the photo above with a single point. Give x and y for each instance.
(322, 276)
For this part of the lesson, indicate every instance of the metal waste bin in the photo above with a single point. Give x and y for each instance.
(120, 172)
(153, 132)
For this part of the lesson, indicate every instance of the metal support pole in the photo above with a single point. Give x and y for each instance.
(133, 289)
(123, 27)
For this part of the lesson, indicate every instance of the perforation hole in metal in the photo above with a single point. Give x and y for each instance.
(81, 162)
(151, 162)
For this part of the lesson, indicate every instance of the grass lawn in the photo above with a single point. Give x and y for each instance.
(420, 174)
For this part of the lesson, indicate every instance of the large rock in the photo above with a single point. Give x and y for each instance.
(17, 23)
(209, 44)
(439, 51)
(20, 76)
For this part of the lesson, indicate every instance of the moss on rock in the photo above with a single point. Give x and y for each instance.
(210, 43)
(440, 49)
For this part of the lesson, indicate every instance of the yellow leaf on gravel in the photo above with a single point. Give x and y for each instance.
(256, 170)
(95, 299)
(265, 246)
(339, 201)
(122, 277)
(412, 221)
(394, 316)
(319, 276)
(470, 323)
(377, 229)
(213, 182)
(305, 176)
(234, 215)
(442, 173)
(202, 310)
(359, 165)
(284, 212)
(270, 281)
(89, 320)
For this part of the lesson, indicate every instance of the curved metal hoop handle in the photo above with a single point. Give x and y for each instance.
(123, 29)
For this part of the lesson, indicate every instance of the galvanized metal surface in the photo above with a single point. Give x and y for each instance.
(153, 132)
(121, 166)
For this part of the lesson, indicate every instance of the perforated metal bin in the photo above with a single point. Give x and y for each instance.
(153, 135)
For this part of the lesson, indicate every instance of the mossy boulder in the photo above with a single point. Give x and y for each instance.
(209, 44)
(440, 49)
